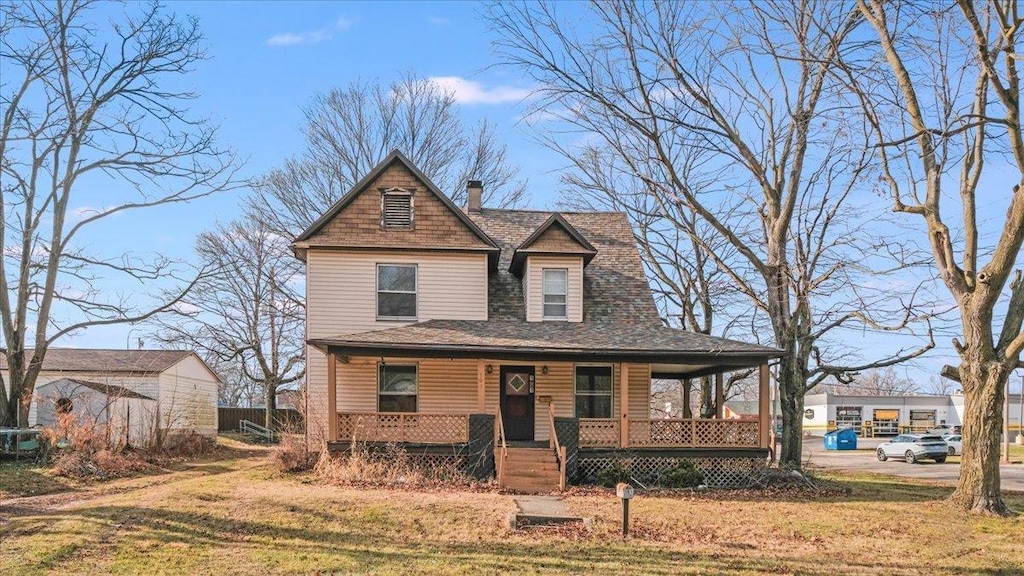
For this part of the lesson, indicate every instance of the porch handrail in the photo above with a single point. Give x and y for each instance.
(504, 449)
(556, 445)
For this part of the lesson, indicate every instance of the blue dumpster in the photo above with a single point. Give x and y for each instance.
(844, 439)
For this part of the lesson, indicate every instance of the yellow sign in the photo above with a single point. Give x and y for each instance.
(887, 414)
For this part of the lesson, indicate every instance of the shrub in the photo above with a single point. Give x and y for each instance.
(612, 475)
(391, 467)
(682, 475)
(292, 456)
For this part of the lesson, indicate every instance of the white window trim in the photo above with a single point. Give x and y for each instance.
(377, 291)
(611, 368)
(381, 393)
(543, 294)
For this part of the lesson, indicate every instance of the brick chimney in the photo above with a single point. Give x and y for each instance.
(474, 195)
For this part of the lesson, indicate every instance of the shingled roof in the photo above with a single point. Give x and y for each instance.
(620, 319)
(614, 287)
(93, 360)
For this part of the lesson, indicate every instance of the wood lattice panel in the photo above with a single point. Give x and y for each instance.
(599, 432)
(404, 427)
(718, 472)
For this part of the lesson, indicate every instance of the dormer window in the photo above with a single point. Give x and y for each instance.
(396, 208)
(556, 293)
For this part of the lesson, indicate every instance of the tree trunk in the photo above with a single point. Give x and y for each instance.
(791, 400)
(707, 397)
(984, 384)
(270, 401)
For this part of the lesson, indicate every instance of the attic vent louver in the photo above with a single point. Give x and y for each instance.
(396, 208)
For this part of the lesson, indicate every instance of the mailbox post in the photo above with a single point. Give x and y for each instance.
(625, 493)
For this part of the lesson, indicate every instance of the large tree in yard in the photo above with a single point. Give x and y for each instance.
(941, 87)
(246, 315)
(93, 124)
(728, 114)
(349, 130)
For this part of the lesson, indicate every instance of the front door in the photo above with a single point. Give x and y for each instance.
(517, 389)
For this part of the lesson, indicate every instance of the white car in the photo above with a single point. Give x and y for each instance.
(914, 447)
(955, 442)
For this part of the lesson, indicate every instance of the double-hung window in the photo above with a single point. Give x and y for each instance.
(593, 391)
(396, 388)
(396, 291)
(556, 293)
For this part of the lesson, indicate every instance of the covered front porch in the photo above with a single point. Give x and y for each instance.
(425, 401)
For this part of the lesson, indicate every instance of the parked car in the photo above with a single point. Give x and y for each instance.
(914, 447)
(943, 429)
(955, 443)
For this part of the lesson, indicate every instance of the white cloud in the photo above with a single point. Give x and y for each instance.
(438, 20)
(472, 92)
(292, 38)
(310, 36)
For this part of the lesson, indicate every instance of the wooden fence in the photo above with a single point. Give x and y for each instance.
(285, 419)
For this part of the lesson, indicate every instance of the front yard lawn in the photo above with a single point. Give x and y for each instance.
(238, 516)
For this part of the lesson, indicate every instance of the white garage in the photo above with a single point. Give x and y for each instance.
(171, 391)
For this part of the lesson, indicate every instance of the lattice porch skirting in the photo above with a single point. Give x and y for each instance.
(719, 471)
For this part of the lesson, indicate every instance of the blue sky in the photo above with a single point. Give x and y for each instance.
(268, 59)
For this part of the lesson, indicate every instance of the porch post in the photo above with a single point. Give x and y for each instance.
(686, 399)
(719, 396)
(332, 395)
(481, 387)
(763, 404)
(624, 404)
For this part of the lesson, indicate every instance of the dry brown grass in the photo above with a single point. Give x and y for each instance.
(240, 516)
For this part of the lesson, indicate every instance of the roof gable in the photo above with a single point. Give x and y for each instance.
(354, 220)
(555, 236)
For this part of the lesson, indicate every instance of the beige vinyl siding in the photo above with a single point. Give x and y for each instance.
(639, 390)
(188, 397)
(341, 295)
(316, 397)
(534, 275)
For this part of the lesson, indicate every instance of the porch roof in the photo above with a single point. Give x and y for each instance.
(674, 352)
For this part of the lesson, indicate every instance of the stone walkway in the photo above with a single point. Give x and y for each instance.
(541, 510)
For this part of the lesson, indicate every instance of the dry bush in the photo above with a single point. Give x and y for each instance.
(186, 444)
(292, 455)
(82, 448)
(391, 467)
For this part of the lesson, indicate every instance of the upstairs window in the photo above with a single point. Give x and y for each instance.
(396, 291)
(593, 391)
(556, 293)
(396, 208)
(397, 388)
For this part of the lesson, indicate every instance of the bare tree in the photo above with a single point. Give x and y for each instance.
(87, 107)
(248, 313)
(942, 91)
(349, 130)
(941, 386)
(691, 290)
(877, 382)
(744, 92)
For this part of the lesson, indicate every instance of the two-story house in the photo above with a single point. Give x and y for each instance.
(526, 340)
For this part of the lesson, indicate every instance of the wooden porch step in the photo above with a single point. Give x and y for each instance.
(530, 470)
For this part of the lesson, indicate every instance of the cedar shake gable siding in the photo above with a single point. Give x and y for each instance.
(355, 220)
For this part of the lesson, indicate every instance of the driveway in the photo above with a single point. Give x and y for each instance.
(863, 460)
